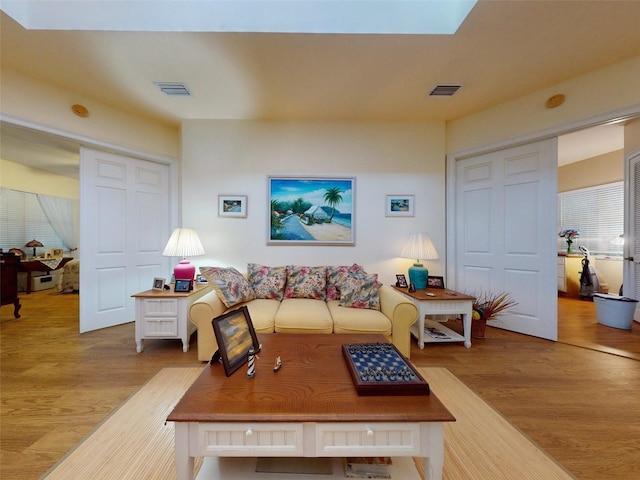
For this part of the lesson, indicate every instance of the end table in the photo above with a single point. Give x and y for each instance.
(440, 301)
(165, 314)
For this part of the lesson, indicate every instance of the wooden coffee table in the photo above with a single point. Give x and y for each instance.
(309, 408)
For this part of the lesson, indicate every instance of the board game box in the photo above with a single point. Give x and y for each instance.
(380, 369)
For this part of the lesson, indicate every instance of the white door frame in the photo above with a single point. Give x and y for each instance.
(90, 142)
(630, 269)
(452, 158)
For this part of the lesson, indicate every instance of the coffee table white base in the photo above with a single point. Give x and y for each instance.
(309, 439)
(234, 468)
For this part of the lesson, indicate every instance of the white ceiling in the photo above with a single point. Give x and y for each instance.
(503, 50)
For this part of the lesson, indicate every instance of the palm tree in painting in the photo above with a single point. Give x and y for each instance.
(333, 198)
(276, 222)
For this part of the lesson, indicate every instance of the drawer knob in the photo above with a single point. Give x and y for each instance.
(249, 432)
(370, 432)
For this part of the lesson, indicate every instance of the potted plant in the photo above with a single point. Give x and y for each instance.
(487, 306)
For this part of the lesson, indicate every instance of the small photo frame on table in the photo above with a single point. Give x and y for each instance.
(232, 206)
(158, 283)
(201, 280)
(401, 281)
(183, 285)
(435, 282)
(235, 336)
(399, 206)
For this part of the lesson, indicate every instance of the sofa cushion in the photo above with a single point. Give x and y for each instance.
(267, 282)
(303, 315)
(337, 276)
(358, 320)
(360, 291)
(263, 314)
(229, 284)
(306, 282)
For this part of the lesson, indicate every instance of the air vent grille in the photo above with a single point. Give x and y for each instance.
(173, 89)
(444, 90)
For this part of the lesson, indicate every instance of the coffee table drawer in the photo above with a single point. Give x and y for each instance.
(255, 439)
(367, 439)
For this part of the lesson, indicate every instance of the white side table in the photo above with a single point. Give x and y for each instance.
(164, 314)
(439, 301)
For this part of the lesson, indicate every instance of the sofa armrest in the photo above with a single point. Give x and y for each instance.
(402, 313)
(201, 312)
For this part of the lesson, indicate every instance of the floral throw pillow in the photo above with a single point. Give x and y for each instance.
(306, 282)
(229, 284)
(361, 291)
(267, 282)
(337, 276)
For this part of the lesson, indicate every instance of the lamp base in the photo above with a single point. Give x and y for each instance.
(418, 276)
(184, 270)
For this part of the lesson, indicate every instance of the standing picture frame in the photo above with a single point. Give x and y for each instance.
(435, 282)
(158, 283)
(311, 211)
(399, 205)
(232, 206)
(183, 285)
(235, 336)
(401, 281)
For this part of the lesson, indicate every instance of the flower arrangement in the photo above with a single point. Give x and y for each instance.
(569, 235)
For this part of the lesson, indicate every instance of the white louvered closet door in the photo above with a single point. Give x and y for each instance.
(631, 284)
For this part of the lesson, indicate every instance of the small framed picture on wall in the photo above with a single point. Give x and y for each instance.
(399, 206)
(232, 206)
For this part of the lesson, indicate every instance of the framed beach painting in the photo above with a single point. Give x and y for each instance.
(399, 206)
(232, 206)
(311, 210)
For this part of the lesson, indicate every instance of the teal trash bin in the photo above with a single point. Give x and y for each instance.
(614, 311)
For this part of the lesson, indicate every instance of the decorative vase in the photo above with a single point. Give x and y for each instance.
(478, 328)
(569, 243)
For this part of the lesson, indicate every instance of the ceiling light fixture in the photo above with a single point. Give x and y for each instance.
(80, 110)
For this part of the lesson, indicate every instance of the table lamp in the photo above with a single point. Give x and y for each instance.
(184, 242)
(34, 243)
(420, 247)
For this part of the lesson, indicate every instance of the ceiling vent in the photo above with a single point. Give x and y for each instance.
(444, 90)
(173, 89)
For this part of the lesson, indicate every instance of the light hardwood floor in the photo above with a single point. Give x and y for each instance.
(578, 398)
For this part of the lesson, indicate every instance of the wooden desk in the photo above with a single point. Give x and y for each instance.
(309, 408)
(440, 301)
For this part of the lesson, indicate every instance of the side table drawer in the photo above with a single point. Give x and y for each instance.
(367, 439)
(246, 440)
(160, 307)
(160, 327)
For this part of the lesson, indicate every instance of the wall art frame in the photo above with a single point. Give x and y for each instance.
(399, 205)
(311, 210)
(232, 206)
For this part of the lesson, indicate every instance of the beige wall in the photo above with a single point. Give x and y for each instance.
(33, 101)
(34, 180)
(235, 158)
(596, 93)
(607, 168)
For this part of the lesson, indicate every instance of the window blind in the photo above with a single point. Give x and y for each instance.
(597, 213)
(22, 220)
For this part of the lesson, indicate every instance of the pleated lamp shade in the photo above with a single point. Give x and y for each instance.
(184, 242)
(419, 247)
